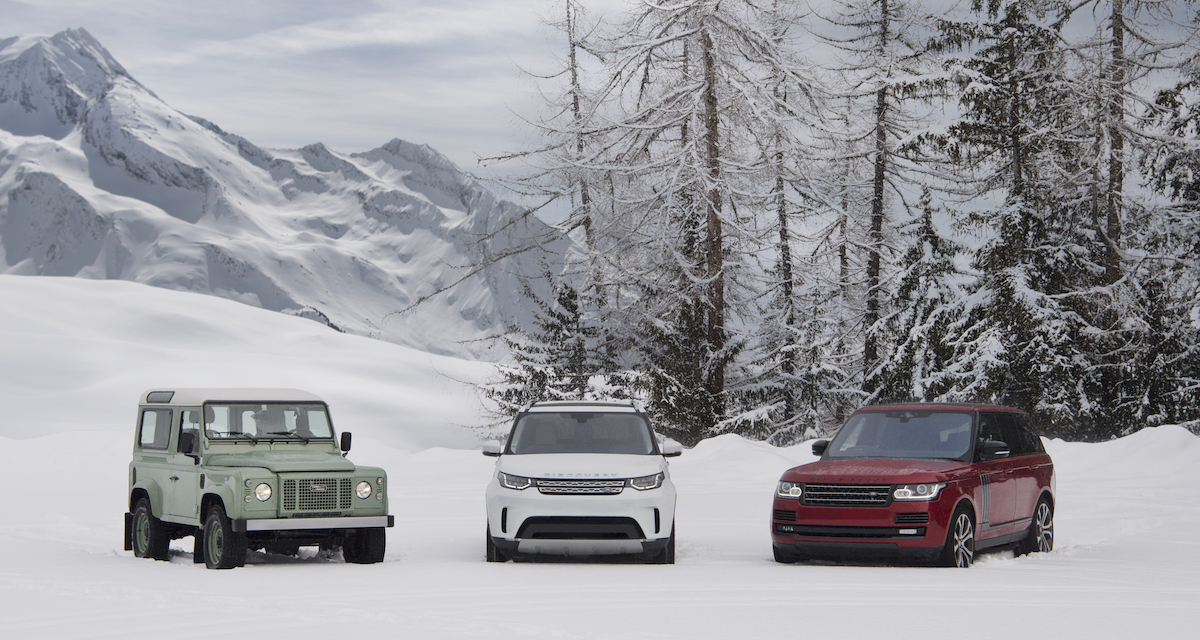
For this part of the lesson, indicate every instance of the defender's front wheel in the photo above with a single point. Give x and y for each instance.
(223, 548)
(150, 538)
(365, 546)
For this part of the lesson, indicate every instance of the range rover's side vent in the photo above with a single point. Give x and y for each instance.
(911, 518)
(785, 515)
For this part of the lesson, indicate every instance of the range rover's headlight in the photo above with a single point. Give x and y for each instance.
(645, 483)
(922, 491)
(514, 482)
(363, 490)
(789, 490)
(262, 492)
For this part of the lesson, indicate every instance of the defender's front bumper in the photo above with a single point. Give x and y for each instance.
(305, 524)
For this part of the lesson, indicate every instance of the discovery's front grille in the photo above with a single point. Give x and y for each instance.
(580, 487)
(847, 495)
(317, 494)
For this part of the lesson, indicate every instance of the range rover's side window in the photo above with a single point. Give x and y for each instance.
(1018, 444)
(1033, 442)
(155, 429)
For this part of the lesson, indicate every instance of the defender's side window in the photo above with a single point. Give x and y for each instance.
(155, 429)
(189, 422)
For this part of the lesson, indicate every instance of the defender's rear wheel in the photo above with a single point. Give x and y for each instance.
(365, 546)
(960, 540)
(223, 548)
(150, 539)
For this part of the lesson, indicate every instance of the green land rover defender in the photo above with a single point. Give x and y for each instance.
(249, 469)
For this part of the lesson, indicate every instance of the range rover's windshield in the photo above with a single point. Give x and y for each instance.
(581, 433)
(267, 421)
(903, 434)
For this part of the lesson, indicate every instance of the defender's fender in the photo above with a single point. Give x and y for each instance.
(153, 493)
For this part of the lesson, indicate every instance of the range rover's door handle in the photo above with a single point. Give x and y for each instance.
(174, 478)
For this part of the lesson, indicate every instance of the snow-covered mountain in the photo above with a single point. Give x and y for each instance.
(101, 179)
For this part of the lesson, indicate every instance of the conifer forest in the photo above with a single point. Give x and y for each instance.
(786, 210)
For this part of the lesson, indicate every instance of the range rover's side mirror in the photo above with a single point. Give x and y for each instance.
(491, 448)
(345, 442)
(992, 449)
(819, 447)
(671, 450)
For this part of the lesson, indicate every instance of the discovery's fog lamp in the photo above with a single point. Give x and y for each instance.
(645, 483)
(789, 490)
(363, 490)
(922, 491)
(262, 492)
(514, 482)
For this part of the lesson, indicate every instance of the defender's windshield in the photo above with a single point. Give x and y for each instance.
(267, 421)
(903, 434)
(581, 433)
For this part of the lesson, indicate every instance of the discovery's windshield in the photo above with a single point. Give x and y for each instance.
(903, 434)
(577, 432)
(301, 421)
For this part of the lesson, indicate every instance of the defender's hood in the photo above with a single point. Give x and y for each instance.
(857, 470)
(283, 461)
(581, 465)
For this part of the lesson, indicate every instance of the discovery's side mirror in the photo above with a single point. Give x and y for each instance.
(345, 442)
(992, 449)
(491, 448)
(671, 449)
(819, 447)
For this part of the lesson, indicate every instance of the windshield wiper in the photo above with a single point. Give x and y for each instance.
(290, 434)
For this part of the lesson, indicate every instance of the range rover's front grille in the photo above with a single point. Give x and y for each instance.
(317, 494)
(847, 495)
(580, 487)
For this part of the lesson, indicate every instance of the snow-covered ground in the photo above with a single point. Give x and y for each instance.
(74, 355)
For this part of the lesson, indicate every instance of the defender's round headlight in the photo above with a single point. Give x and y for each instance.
(363, 490)
(262, 492)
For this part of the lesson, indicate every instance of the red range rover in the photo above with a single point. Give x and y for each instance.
(919, 482)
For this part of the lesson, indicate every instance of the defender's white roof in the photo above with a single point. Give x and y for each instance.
(196, 397)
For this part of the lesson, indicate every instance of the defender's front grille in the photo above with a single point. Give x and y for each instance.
(317, 494)
(847, 495)
(580, 487)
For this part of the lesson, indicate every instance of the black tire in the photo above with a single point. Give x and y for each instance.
(1041, 530)
(494, 554)
(198, 546)
(365, 546)
(223, 548)
(959, 550)
(150, 539)
(667, 555)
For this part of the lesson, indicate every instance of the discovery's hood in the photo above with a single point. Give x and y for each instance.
(283, 461)
(581, 465)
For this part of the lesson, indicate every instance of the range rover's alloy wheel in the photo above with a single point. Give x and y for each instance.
(960, 540)
(223, 549)
(1041, 531)
(150, 538)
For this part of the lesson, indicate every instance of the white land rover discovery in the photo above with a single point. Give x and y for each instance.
(581, 479)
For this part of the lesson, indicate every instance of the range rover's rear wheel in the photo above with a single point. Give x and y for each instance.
(494, 554)
(1041, 531)
(960, 540)
(223, 548)
(150, 539)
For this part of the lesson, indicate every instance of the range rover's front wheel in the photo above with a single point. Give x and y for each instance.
(960, 540)
(223, 549)
(150, 538)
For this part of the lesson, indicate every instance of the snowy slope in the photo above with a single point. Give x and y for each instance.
(101, 179)
(76, 353)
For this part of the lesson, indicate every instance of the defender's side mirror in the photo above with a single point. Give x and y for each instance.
(492, 448)
(187, 446)
(671, 450)
(992, 449)
(819, 447)
(345, 442)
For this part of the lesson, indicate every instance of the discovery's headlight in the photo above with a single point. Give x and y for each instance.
(922, 491)
(514, 482)
(363, 490)
(646, 483)
(789, 490)
(262, 492)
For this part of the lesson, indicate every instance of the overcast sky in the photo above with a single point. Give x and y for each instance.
(352, 74)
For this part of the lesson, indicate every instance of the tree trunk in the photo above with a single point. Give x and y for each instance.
(1116, 157)
(714, 249)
